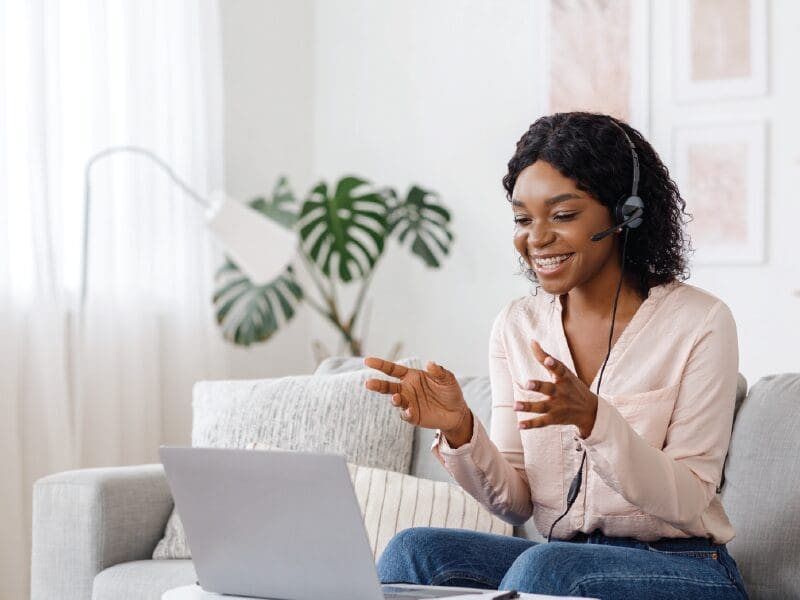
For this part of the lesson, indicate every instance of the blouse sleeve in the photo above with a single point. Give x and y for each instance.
(493, 470)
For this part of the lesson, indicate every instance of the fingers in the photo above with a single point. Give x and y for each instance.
(407, 414)
(542, 421)
(394, 388)
(548, 388)
(538, 353)
(386, 366)
(436, 370)
(555, 367)
(384, 387)
(533, 407)
(388, 387)
(391, 387)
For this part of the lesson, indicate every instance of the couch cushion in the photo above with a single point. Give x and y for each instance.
(762, 490)
(343, 364)
(142, 579)
(309, 413)
(312, 413)
(741, 392)
(391, 502)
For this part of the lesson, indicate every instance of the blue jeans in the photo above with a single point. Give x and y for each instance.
(591, 565)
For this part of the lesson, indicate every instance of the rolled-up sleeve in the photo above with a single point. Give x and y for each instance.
(493, 470)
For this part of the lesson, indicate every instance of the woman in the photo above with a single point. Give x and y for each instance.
(645, 452)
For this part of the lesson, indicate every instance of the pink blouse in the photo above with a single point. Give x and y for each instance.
(664, 417)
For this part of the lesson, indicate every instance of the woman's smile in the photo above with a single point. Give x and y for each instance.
(552, 264)
(554, 222)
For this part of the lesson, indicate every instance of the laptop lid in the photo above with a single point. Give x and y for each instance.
(272, 524)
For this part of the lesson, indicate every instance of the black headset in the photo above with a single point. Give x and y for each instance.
(629, 214)
(629, 211)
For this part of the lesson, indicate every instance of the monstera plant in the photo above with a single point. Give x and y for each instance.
(342, 235)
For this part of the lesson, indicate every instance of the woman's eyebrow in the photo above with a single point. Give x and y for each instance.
(550, 201)
(560, 198)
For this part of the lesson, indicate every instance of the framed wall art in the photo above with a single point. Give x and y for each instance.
(720, 49)
(594, 56)
(720, 171)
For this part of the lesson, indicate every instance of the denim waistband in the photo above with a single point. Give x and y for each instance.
(695, 547)
(666, 544)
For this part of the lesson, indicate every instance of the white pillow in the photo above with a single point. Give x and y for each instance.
(390, 502)
(307, 413)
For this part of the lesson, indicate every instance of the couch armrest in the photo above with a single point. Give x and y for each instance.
(88, 520)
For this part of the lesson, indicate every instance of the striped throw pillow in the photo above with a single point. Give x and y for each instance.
(390, 502)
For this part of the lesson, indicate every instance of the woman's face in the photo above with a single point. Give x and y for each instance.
(553, 224)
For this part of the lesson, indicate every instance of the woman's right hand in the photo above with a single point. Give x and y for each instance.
(430, 398)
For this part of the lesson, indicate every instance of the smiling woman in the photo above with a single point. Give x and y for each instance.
(580, 164)
(653, 442)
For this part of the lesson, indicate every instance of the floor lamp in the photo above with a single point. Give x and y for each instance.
(261, 247)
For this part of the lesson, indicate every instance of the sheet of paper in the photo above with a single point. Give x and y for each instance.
(522, 596)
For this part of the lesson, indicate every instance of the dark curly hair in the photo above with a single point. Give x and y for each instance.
(590, 149)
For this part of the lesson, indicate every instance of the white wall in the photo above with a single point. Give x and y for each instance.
(268, 83)
(434, 93)
(762, 297)
(437, 93)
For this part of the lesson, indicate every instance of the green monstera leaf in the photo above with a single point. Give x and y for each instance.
(427, 222)
(347, 228)
(282, 207)
(250, 313)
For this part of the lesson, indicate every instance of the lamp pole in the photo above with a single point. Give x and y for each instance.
(87, 204)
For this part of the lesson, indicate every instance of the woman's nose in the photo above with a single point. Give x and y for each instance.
(540, 235)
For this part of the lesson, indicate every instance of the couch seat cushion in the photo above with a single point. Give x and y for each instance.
(142, 579)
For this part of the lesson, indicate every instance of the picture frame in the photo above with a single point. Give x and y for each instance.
(720, 169)
(584, 55)
(720, 54)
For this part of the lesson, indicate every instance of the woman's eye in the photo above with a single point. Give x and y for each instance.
(521, 220)
(564, 216)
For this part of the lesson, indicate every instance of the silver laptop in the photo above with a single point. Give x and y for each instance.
(274, 524)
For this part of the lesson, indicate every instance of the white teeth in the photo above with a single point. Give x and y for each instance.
(551, 261)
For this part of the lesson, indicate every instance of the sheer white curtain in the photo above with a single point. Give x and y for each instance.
(76, 77)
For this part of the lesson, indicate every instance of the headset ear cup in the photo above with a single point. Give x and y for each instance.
(619, 209)
(633, 206)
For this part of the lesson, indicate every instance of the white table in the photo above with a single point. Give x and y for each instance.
(195, 592)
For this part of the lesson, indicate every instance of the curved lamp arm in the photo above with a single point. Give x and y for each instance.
(87, 199)
(261, 247)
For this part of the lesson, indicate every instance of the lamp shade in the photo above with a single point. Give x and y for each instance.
(261, 247)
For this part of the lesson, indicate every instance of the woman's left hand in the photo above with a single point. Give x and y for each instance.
(568, 402)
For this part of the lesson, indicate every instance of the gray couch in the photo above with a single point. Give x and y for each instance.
(94, 530)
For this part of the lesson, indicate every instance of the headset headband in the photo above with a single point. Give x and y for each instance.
(634, 157)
